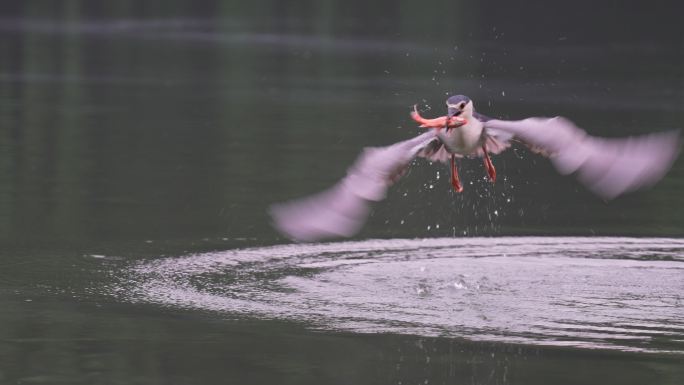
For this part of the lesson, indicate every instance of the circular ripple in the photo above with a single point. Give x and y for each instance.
(615, 293)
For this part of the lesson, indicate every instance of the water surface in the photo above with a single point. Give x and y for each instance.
(596, 293)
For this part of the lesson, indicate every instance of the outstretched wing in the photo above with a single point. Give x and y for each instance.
(608, 167)
(343, 209)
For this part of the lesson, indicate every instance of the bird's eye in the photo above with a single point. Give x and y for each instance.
(462, 105)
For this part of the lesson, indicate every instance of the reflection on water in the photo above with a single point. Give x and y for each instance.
(613, 293)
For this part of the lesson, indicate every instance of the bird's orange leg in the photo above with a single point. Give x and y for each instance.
(491, 171)
(455, 181)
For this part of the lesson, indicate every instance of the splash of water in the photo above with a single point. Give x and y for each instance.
(608, 293)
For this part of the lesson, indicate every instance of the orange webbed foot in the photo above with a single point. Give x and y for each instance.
(491, 171)
(455, 180)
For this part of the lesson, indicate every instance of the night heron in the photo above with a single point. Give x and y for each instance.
(607, 167)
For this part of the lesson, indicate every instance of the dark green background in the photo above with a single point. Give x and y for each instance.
(141, 129)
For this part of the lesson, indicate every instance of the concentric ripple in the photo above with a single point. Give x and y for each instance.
(608, 293)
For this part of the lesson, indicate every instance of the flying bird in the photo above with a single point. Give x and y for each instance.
(608, 167)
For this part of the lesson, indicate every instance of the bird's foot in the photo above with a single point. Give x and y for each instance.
(491, 171)
(455, 180)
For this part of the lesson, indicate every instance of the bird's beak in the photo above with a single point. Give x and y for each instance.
(451, 112)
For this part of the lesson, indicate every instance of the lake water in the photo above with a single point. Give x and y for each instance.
(141, 145)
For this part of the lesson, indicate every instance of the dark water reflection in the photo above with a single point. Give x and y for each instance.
(133, 132)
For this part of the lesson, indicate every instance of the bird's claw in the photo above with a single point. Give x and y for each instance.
(489, 166)
(455, 180)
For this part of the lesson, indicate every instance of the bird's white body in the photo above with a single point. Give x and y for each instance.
(463, 140)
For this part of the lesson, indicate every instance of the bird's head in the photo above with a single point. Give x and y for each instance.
(459, 105)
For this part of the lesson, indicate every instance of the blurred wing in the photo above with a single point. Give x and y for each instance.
(341, 210)
(608, 167)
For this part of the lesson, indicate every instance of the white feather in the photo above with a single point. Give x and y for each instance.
(608, 167)
(342, 209)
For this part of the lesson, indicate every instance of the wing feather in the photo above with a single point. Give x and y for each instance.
(608, 167)
(341, 210)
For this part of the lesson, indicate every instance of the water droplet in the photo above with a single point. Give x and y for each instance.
(422, 289)
(460, 284)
